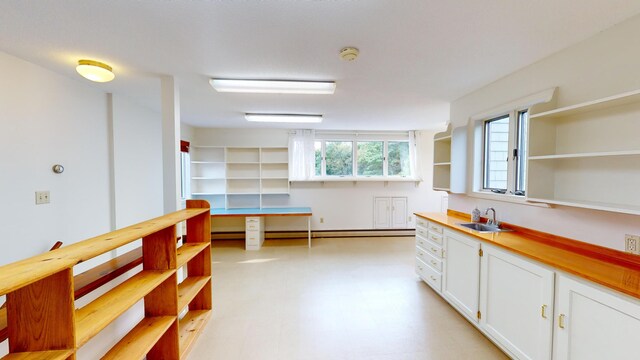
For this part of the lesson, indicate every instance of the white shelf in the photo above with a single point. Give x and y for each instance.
(595, 105)
(242, 162)
(358, 179)
(207, 178)
(206, 193)
(442, 164)
(441, 189)
(275, 178)
(443, 138)
(627, 209)
(586, 155)
(208, 162)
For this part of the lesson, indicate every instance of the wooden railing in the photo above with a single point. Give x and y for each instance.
(44, 323)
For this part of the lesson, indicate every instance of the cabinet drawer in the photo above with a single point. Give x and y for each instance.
(422, 222)
(429, 275)
(422, 232)
(434, 228)
(253, 224)
(253, 235)
(421, 242)
(435, 237)
(431, 261)
(433, 249)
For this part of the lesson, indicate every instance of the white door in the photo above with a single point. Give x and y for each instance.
(381, 213)
(461, 275)
(594, 323)
(399, 212)
(516, 303)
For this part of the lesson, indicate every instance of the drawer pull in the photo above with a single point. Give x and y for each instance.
(421, 254)
(435, 238)
(432, 278)
(420, 267)
(434, 250)
(543, 311)
(434, 263)
(561, 321)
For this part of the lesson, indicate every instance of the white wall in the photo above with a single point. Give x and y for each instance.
(343, 205)
(111, 151)
(604, 65)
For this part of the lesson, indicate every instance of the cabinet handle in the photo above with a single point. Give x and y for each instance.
(434, 250)
(434, 238)
(543, 311)
(561, 321)
(434, 263)
(421, 254)
(432, 278)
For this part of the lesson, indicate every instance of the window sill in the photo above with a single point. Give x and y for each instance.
(516, 199)
(357, 179)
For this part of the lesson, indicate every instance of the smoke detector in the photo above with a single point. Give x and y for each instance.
(349, 53)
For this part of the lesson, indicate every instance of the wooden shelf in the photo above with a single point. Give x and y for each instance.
(188, 251)
(96, 315)
(189, 288)
(139, 341)
(40, 355)
(189, 329)
(585, 155)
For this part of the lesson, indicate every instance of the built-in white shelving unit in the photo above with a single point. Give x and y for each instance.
(449, 160)
(587, 155)
(239, 177)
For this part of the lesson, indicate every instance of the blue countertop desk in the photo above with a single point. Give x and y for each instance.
(283, 211)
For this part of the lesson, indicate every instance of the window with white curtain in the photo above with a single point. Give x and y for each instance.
(351, 155)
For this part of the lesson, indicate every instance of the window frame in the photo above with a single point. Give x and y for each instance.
(515, 161)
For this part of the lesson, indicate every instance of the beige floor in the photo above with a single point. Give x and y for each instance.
(342, 299)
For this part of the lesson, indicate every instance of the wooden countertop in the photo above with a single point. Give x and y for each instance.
(614, 269)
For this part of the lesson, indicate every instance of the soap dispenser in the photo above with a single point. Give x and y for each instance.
(475, 215)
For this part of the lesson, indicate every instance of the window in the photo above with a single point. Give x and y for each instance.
(399, 161)
(339, 158)
(504, 153)
(370, 158)
(373, 157)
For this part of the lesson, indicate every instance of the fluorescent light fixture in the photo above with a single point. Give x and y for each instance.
(284, 118)
(273, 86)
(95, 70)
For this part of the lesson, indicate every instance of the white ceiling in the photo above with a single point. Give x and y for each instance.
(416, 56)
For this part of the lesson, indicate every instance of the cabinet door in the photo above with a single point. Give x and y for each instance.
(381, 213)
(516, 303)
(399, 212)
(461, 276)
(594, 323)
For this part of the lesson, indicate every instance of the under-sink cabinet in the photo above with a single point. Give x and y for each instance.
(528, 309)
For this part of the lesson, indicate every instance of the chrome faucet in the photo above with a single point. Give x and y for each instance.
(491, 221)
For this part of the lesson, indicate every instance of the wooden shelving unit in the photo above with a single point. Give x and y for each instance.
(42, 319)
(239, 177)
(587, 155)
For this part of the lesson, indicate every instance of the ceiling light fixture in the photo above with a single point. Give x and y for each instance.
(284, 118)
(273, 86)
(95, 70)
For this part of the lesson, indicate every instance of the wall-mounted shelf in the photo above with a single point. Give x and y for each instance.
(587, 155)
(239, 176)
(449, 160)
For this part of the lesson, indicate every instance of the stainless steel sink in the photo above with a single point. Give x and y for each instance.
(483, 228)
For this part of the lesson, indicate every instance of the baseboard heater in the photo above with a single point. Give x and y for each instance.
(319, 234)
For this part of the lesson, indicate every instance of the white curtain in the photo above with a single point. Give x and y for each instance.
(301, 155)
(413, 155)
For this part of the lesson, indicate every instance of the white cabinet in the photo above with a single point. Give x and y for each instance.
(461, 275)
(594, 323)
(516, 303)
(429, 253)
(390, 213)
(449, 160)
(254, 232)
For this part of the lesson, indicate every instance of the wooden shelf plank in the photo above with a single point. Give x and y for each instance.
(28, 271)
(187, 251)
(3, 324)
(40, 355)
(190, 327)
(96, 315)
(189, 288)
(139, 341)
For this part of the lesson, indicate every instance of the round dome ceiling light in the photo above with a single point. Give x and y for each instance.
(95, 70)
(349, 53)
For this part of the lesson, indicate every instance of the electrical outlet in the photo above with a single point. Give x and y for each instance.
(409, 219)
(42, 197)
(631, 243)
(321, 220)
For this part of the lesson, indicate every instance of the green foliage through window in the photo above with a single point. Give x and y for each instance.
(339, 158)
(399, 164)
(370, 158)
